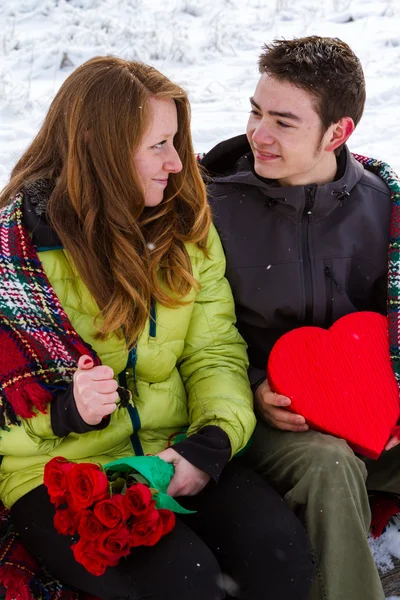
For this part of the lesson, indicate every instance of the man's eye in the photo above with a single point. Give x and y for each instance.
(159, 144)
(254, 112)
(285, 125)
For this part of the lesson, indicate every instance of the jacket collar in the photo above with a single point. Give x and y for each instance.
(290, 201)
(35, 198)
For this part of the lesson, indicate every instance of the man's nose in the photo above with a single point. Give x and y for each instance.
(262, 135)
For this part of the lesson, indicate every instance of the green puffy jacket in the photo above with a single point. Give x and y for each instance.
(191, 371)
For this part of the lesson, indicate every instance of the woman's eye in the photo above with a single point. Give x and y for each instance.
(159, 144)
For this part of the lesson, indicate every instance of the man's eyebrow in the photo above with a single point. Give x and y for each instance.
(275, 113)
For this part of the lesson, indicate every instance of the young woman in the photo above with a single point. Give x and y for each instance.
(117, 334)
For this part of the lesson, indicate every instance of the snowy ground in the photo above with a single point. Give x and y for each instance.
(208, 46)
(387, 546)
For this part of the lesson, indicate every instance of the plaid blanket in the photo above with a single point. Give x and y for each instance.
(21, 576)
(392, 180)
(40, 348)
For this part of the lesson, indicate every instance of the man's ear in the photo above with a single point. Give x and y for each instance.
(341, 131)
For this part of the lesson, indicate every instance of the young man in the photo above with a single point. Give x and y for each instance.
(305, 229)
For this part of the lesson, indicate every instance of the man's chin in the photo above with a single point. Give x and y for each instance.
(268, 171)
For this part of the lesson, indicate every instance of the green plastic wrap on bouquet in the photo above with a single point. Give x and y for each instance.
(157, 472)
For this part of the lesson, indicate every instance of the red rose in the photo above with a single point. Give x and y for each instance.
(112, 512)
(89, 527)
(138, 499)
(64, 521)
(168, 519)
(147, 530)
(55, 478)
(87, 484)
(87, 555)
(114, 544)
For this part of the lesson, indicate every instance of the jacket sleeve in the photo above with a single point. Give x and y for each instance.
(256, 377)
(65, 418)
(214, 361)
(209, 450)
(61, 418)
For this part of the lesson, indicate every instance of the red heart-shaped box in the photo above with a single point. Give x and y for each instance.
(340, 379)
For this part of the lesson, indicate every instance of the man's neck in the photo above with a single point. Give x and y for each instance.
(324, 172)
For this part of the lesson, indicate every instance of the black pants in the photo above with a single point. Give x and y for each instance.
(242, 543)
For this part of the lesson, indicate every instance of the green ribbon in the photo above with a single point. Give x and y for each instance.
(158, 474)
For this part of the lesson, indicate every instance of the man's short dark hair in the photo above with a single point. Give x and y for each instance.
(327, 68)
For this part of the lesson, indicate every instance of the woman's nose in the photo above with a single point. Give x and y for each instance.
(173, 164)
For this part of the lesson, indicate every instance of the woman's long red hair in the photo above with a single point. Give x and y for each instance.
(123, 251)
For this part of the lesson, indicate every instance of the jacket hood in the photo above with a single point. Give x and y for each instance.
(232, 161)
(224, 159)
(35, 200)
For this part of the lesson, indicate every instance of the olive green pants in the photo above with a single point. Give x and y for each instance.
(326, 484)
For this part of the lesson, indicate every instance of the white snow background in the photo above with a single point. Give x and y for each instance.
(210, 47)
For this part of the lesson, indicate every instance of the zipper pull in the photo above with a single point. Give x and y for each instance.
(125, 397)
(328, 273)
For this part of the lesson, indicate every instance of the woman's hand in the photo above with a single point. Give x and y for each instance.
(269, 406)
(188, 479)
(95, 390)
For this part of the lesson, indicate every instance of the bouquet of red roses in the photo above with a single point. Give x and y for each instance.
(109, 510)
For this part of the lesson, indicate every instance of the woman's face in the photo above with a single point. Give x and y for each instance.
(156, 157)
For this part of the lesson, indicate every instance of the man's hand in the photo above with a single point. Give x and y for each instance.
(95, 390)
(392, 443)
(188, 479)
(269, 406)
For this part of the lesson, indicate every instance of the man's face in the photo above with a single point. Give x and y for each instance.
(285, 133)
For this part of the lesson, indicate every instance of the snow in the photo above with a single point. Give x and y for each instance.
(210, 47)
(387, 546)
(380, 552)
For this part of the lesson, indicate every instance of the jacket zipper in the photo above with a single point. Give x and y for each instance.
(306, 220)
(132, 360)
(153, 321)
(132, 409)
(329, 294)
(329, 297)
(328, 273)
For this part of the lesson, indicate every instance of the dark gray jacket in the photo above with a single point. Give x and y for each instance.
(301, 255)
